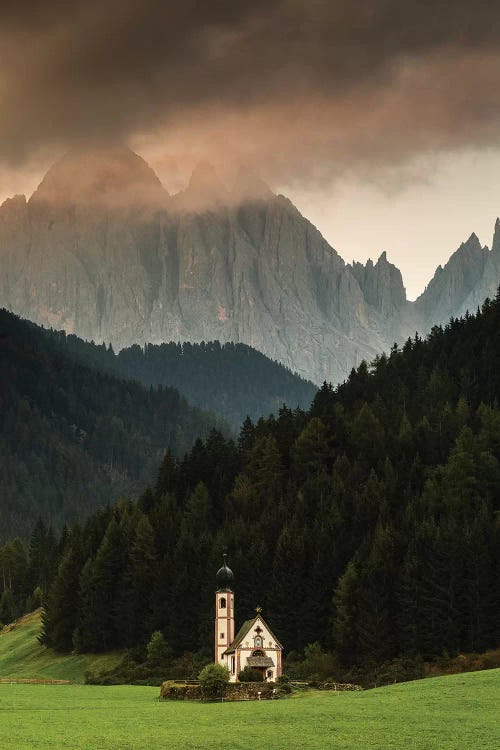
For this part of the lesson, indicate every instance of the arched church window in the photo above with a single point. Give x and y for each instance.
(258, 641)
(222, 602)
(258, 652)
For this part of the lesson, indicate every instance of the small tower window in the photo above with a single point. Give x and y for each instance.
(221, 635)
(222, 602)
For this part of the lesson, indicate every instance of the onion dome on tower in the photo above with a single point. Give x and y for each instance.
(225, 577)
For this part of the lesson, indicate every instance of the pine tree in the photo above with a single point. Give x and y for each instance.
(345, 619)
(367, 437)
(60, 615)
(311, 451)
(139, 577)
(167, 475)
(158, 651)
(8, 609)
(99, 624)
(376, 599)
(288, 587)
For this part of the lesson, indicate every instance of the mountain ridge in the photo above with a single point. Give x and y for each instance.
(213, 264)
(74, 438)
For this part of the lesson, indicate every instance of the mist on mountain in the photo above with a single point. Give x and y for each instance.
(101, 250)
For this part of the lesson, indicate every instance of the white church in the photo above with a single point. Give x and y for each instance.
(254, 645)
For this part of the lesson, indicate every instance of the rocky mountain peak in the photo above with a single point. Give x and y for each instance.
(208, 191)
(451, 286)
(204, 178)
(205, 191)
(495, 246)
(227, 260)
(381, 283)
(13, 206)
(246, 185)
(115, 177)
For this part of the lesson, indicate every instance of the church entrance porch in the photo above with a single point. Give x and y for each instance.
(263, 664)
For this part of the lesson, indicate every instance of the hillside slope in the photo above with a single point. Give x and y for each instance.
(376, 511)
(232, 380)
(73, 438)
(22, 656)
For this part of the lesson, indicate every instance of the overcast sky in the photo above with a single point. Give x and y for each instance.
(419, 225)
(379, 118)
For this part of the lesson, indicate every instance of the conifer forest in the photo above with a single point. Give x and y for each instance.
(368, 524)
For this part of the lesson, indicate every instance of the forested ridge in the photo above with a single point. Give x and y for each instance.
(73, 438)
(232, 380)
(369, 524)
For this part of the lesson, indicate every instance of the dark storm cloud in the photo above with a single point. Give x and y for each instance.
(300, 82)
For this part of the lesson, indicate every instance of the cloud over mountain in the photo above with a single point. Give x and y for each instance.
(302, 89)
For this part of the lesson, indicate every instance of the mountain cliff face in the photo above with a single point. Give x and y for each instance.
(101, 250)
(487, 284)
(452, 285)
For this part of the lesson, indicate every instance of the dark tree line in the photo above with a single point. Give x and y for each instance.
(27, 571)
(232, 380)
(369, 524)
(73, 438)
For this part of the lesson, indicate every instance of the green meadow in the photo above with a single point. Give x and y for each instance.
(22, 656)
(445, 713)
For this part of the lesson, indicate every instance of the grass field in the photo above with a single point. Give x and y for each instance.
(22, 656)
(457, 712)
(446, 713)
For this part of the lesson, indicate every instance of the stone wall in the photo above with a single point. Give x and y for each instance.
(340, 686)
(239, 691)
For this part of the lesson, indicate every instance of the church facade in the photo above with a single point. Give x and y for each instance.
(254, 645)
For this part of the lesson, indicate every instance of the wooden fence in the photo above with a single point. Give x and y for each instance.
(32, 681)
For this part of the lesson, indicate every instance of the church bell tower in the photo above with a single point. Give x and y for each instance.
(224, 612)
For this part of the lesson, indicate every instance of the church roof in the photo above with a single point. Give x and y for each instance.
(225, 577)
(260, 661)
(245, 628)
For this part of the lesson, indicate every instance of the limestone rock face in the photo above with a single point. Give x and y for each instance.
(451, 286)
(259, 273)
(101, 250)
(382, 285)
(487, 285)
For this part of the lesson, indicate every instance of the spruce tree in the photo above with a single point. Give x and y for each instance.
(60, 615)
(345, 615)
(139, 577)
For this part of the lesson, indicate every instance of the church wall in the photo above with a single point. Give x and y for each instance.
(248, 640)
(269, 646)
(224, 633)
